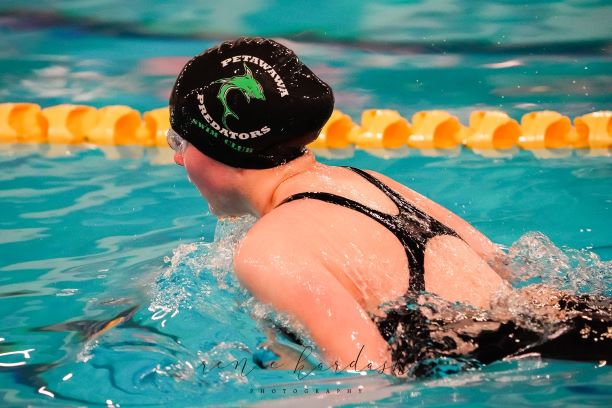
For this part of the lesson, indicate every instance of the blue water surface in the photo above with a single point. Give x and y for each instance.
(84, 238)
(112, 291)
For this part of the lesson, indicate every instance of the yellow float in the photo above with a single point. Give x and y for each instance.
(378, 129)
(157, 123)
(594, 130)
(22, 123)
(435, 129)
(381, 128)
(545, 130)
(117, 125)
(336, 133)
(69, 124)
(491, 130)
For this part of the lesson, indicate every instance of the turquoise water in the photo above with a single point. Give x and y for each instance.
(84, 239)
(90, 236)
(72, 64)
(426, 23)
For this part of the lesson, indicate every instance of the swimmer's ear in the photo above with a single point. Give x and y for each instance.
(179, 159)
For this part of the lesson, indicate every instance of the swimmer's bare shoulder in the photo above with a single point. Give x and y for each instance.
(269, 263)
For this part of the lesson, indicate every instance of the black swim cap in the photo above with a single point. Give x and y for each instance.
(249, 103)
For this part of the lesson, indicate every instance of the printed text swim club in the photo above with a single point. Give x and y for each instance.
(280, 86)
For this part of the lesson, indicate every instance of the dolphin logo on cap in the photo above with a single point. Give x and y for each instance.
(245, 84)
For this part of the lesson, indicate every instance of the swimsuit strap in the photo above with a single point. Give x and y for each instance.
(397, 199)
(412, 227)
(431, 226)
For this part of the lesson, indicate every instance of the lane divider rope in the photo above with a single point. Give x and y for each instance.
(378, 128)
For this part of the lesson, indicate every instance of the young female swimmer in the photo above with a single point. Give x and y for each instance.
(331, 244)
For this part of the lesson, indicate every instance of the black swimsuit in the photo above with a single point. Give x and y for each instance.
(418, 343)
(411, 226)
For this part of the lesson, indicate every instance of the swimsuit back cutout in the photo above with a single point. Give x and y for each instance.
(411, 226)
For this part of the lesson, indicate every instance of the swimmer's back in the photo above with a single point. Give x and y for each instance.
(363, 255)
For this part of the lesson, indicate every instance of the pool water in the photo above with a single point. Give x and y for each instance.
(115, 281)
(85, 238)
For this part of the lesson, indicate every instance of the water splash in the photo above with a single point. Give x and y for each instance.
(199, 292)
(535, 259)
(198, 279)
(429, 335)
(199, 268)
(228, 362)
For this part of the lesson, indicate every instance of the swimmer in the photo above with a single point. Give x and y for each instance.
(331, 245)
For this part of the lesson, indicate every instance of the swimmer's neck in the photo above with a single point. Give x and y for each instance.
(260, 189)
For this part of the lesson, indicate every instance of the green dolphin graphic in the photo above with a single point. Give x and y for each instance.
(246, 84)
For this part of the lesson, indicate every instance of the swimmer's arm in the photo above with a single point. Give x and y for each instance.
(291, 283)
